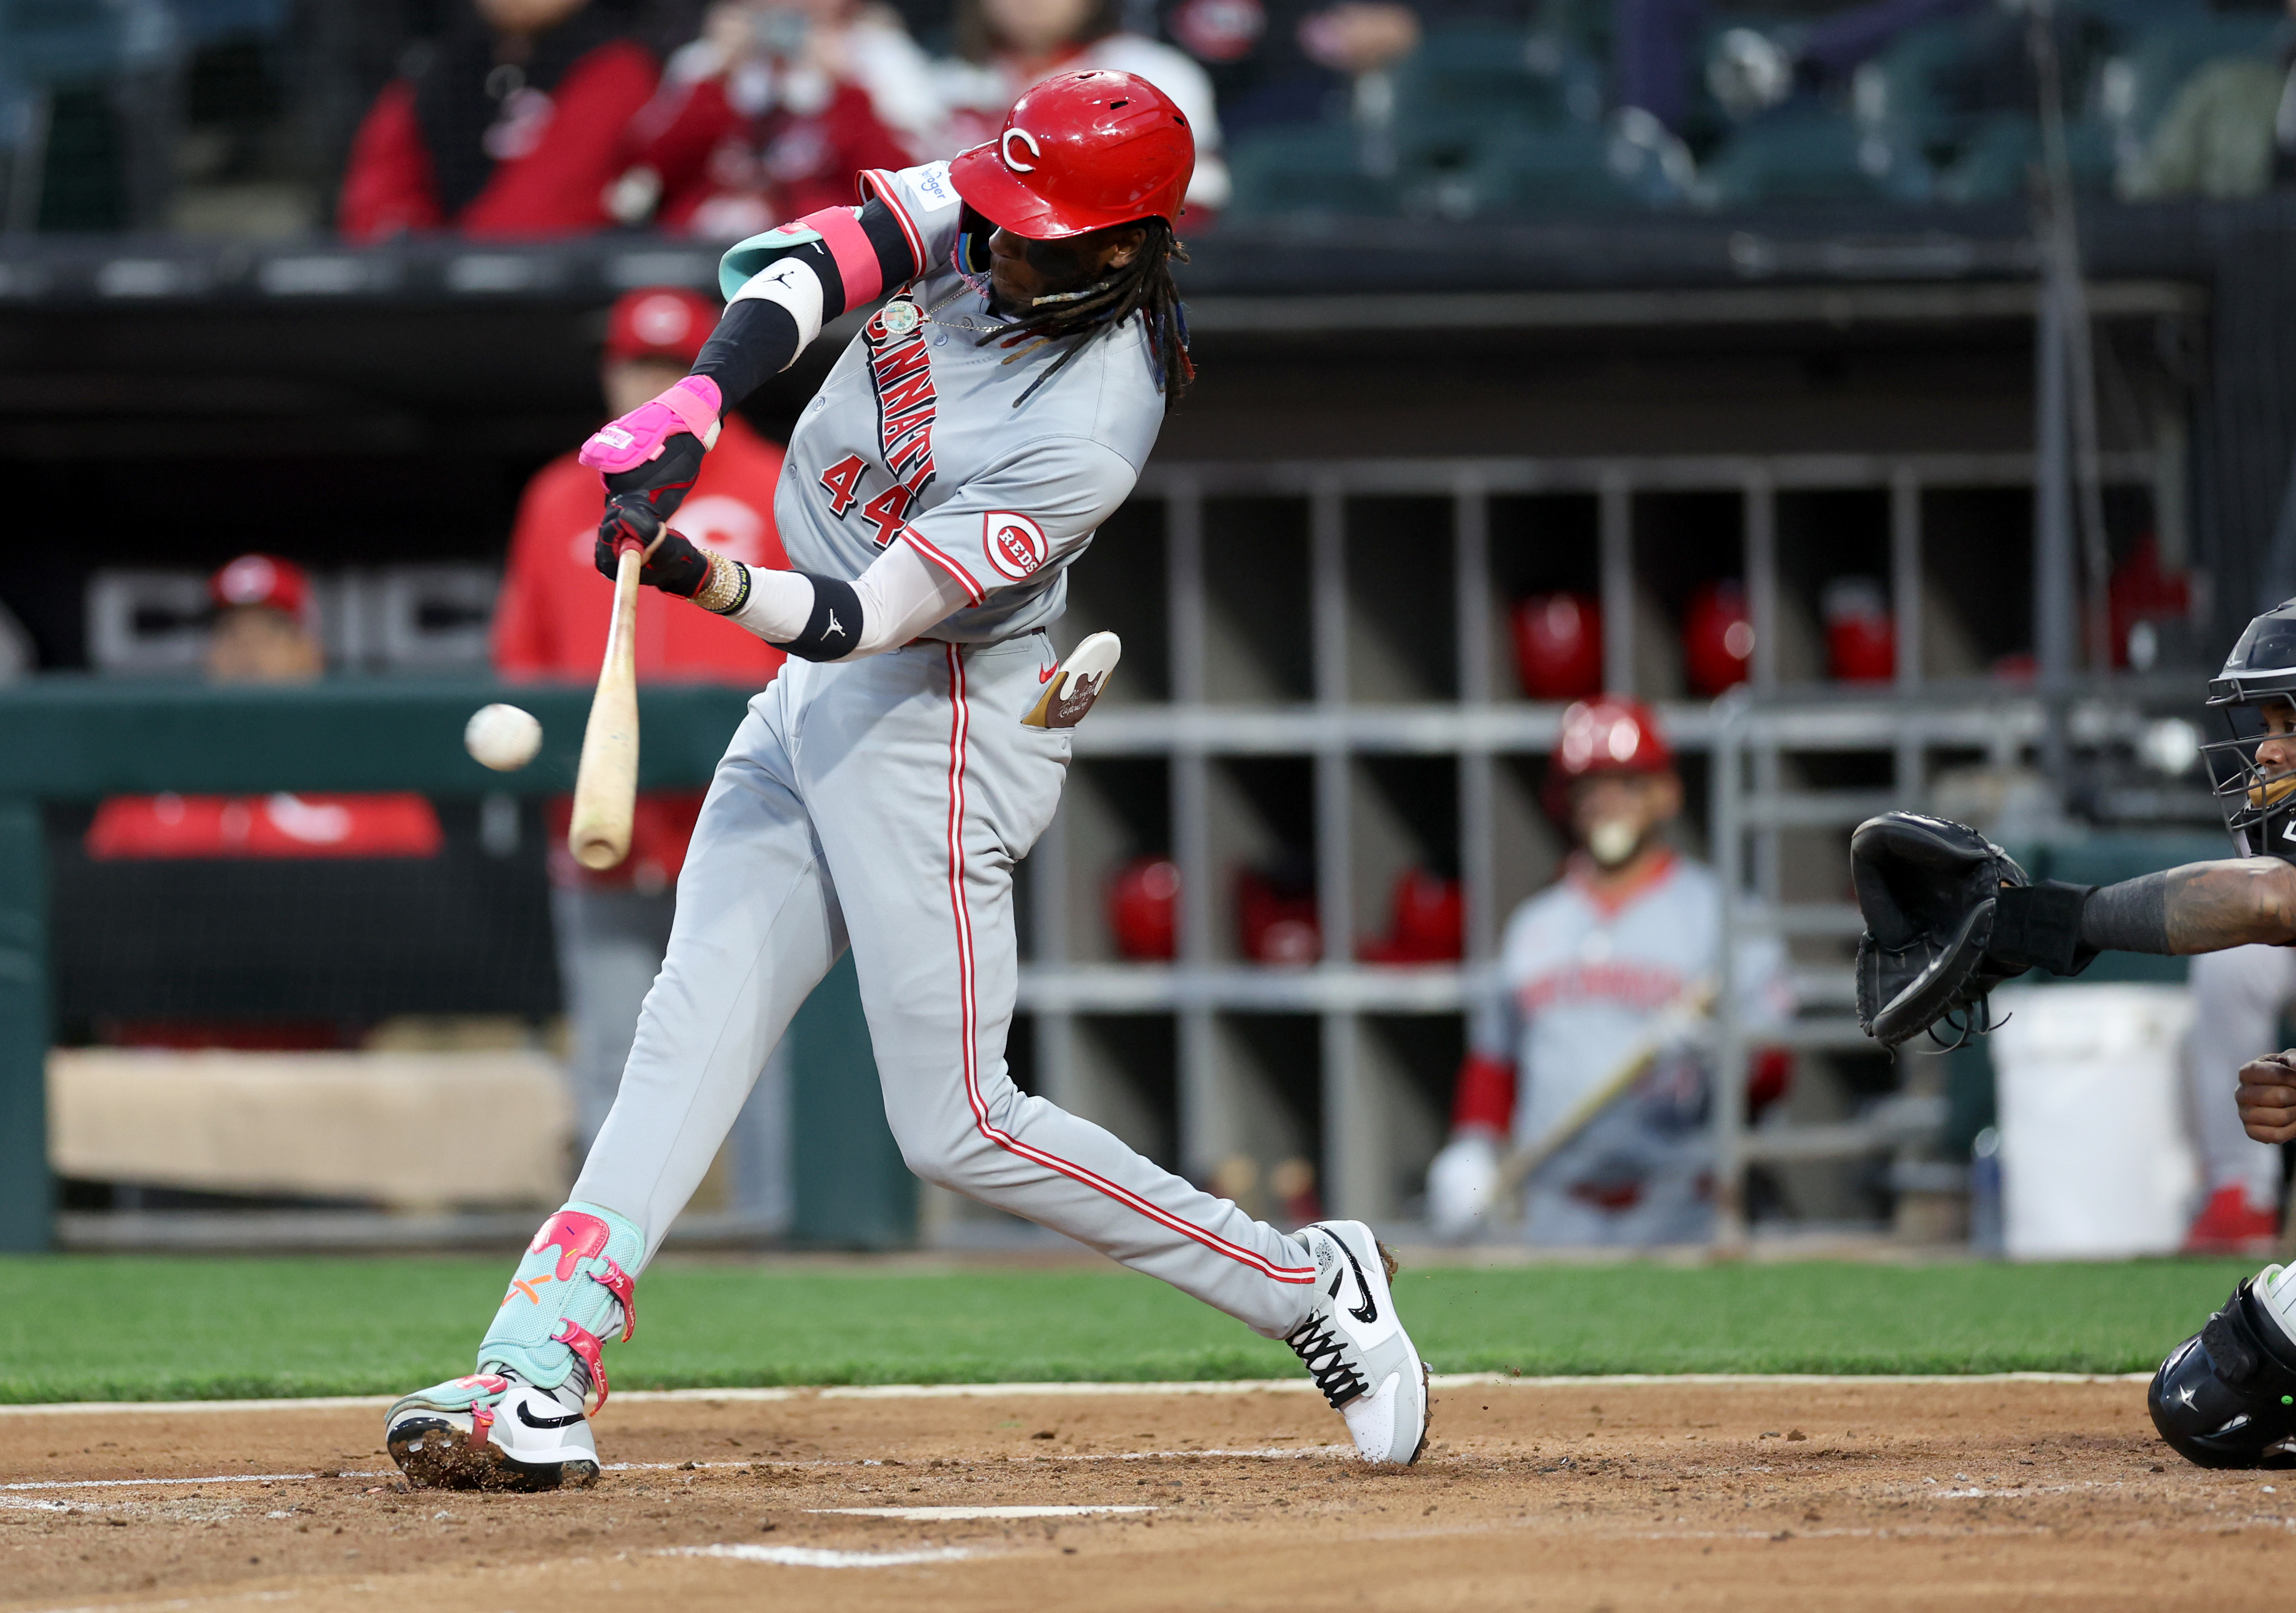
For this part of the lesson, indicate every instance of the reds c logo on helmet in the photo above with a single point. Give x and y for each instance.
(1024, 139)
(1081, 151)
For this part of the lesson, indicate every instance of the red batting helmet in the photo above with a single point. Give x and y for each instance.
(1558, 646)
(1609, 733)
(1079, 153)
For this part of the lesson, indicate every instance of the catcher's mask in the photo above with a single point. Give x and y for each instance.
(2257, 798)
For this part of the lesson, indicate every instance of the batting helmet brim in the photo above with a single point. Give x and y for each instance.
(1078, 152)
(1001, 198)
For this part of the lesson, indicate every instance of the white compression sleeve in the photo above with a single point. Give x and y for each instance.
(902, 594)
(790, 283)
(779, 604)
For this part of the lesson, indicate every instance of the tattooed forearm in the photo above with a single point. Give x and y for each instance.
(2209, 906)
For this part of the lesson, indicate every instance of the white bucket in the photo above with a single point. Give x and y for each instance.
(2096, 1162)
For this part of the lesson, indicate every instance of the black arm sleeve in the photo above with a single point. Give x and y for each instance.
(755, 340)
(834, 627)
(2130, 917)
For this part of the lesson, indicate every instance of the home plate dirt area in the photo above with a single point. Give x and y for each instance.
(1834, 1493)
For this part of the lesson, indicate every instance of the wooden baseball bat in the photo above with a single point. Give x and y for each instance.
(1675, 1022)
(606, 783)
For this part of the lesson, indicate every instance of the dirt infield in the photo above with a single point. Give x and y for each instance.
(1599, 1494)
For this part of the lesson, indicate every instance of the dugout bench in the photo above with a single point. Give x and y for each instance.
(70, 737)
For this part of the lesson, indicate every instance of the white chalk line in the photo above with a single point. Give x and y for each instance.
(962, 1514)
(1241, 1386)
(816, 1557)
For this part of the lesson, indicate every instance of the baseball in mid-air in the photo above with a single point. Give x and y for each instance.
(502, 738)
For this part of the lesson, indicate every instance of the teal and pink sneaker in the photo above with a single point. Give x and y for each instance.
(522, 1420)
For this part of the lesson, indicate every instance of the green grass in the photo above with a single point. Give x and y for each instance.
(98, 1327)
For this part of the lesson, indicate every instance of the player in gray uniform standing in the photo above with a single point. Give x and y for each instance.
(957, 460)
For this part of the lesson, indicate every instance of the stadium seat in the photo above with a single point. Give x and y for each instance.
(2134, 87)
(1805, 152)
(1995, 160)
(1907, 91)
(43, 43)
(1464, 81)
(1308, 168)
(1580, 166)
(203, 20)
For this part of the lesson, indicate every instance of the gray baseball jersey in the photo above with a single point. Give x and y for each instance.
(1579, 982)
(886, 800)
(915, 437)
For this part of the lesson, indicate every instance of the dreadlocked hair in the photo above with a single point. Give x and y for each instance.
(1143, 286)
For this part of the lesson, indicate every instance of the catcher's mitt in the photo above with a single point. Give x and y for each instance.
(1948, 916)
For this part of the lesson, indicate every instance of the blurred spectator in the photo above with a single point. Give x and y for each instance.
(612, 927)
(1291, 61)
(1004, 47)
(1653, 43)
(1602, 978)
(773, 111)
(508, 126)
(262, 634)
(2229, 131)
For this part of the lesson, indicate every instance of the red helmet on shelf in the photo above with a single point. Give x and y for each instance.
(1861, 641)
(1078, 152)
(1276, 916)
(1610, 733)
(1144, 909)
(1430, 922)
(1718, 638)
(1558, 646)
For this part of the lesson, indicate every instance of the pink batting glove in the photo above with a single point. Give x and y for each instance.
(692, 404)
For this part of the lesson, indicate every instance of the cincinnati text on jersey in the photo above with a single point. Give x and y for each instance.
(901, 372)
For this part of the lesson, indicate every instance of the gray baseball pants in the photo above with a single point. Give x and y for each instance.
(886, 800)
(611, 945)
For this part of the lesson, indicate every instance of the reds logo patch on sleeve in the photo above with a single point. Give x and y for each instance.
(1016, 545)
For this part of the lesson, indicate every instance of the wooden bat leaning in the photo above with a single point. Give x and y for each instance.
(1674, 1023)
(606, 783)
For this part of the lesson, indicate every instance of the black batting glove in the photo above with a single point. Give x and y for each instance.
(662, 482)
(672, 562)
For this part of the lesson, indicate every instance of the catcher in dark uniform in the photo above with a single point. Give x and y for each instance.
(1949, 916)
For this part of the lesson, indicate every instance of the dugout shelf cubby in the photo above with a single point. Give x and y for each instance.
(1344, 624)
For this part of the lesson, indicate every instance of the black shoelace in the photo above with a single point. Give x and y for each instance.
(1313, 1341)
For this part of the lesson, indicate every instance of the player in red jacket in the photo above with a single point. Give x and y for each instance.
(550, 622)
(510, 127)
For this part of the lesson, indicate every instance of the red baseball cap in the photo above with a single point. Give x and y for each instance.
(660, 322)
(261, 580)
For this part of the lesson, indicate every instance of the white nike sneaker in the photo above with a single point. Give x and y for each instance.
(1354, 1345)
(492, 1431)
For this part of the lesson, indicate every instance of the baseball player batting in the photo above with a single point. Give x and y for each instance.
(955, 463)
